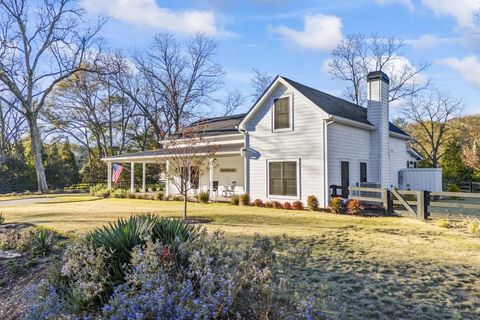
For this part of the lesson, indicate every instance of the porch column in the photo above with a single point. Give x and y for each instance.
(167, 183)
(144, 165)
(132, 177)
(109, 175)
(210, 180)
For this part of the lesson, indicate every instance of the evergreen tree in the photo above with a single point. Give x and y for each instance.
(454, 168)
(54, 167)
(70, 172)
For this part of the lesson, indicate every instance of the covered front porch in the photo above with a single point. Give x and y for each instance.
(224, 178)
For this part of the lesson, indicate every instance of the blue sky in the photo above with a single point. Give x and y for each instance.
(294, 38)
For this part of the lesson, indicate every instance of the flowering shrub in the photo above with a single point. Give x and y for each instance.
(354, 206)
(218, 281)
(337, 205)
(209, 278)
(245, 199)
(312, 203)
(235, 200)
(258, 203)
(297, 205)
(287, 206)
(277, 205)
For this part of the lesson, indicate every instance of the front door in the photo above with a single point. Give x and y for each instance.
(345, 176)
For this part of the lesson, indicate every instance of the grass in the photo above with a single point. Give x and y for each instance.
(380, 268)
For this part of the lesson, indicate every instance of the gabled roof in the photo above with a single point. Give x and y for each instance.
(330, 104)
(336, 106)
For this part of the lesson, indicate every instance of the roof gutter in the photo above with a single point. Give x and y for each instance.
(352, 122)
(399, 135)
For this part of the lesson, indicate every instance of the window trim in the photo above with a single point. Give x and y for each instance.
(290, 110)
(298, 164)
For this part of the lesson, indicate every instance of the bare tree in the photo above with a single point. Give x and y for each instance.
(142, 91)
(350, 64)
(190, 155)
(358, 54)
(429, 116)
(260, 82)
(233, 100)
(183, 75)
(41, 45)
(88, 108)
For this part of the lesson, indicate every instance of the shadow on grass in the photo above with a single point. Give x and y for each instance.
(68, 201)
(374, 288)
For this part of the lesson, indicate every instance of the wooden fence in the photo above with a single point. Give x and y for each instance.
(420, 204)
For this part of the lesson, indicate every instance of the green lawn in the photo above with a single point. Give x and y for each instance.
(380, 268)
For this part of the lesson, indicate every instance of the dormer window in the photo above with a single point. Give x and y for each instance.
(282, 114)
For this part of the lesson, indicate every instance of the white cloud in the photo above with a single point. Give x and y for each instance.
(149, 13)
(462, 10)
(468, 68)
(407, 3)
(429, 41)
(320, 32)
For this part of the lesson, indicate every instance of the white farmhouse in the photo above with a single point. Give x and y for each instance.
(297, 141)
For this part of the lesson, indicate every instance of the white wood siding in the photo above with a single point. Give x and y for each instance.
(398, 158)
(352, 144)
(305, 143)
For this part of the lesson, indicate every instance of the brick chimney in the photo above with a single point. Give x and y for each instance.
(378, 115)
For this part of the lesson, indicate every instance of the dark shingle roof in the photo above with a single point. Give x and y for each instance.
(330, 104)
(218, 125)
(337, 106)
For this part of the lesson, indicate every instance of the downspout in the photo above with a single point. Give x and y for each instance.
(326, 187)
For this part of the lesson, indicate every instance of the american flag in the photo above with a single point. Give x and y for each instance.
(117, 170)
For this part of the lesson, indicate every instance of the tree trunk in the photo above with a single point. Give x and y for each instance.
(2, 139)
(185, 206)
(37, 153)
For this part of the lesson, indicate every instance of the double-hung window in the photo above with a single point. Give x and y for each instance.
(282, 114)
(283, 178)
